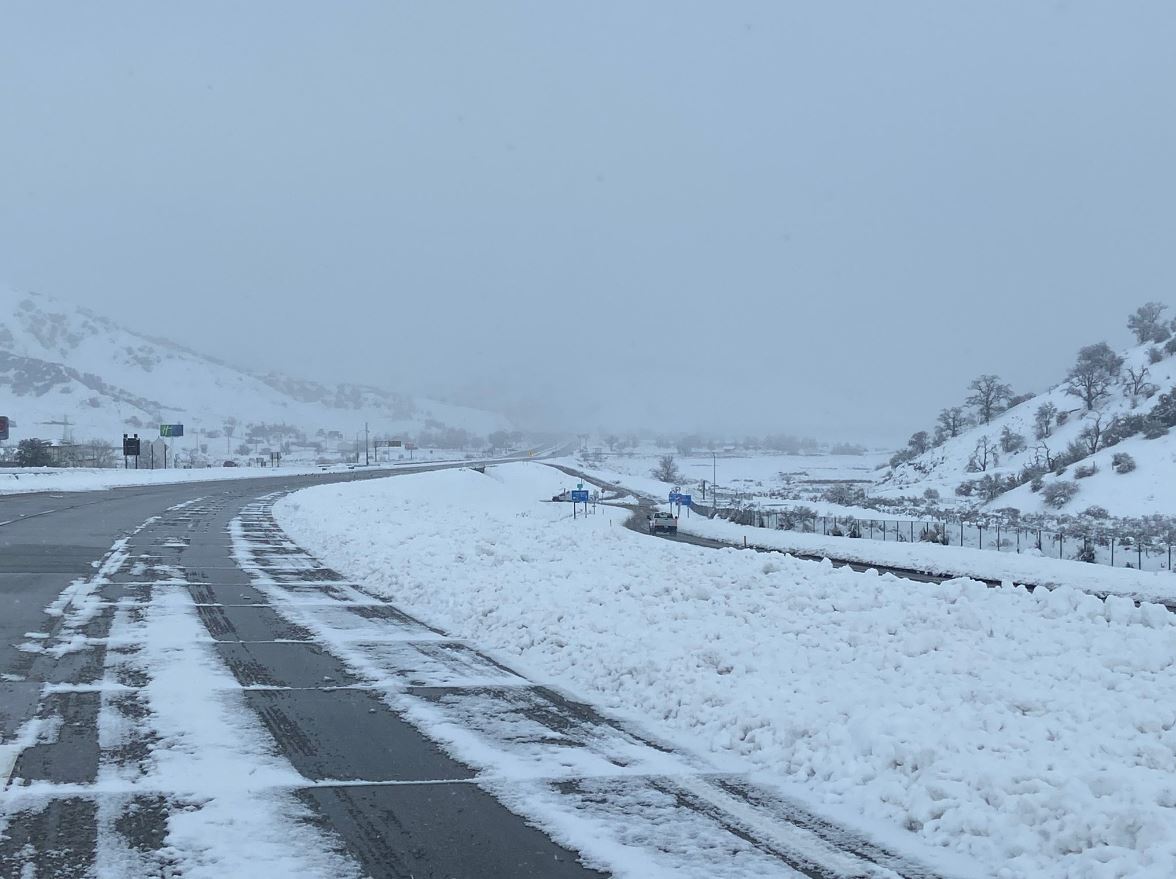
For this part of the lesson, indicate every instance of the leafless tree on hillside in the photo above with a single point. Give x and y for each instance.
(1136, 385)
(984, 455)
(988, 393)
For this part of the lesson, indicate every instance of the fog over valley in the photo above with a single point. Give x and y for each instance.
(766, 217)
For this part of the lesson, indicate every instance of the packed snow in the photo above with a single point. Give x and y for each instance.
(1031, 734)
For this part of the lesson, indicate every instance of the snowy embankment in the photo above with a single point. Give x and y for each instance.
(948, 561)
(1033, 734)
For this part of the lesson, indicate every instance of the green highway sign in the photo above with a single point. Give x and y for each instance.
(171, 430)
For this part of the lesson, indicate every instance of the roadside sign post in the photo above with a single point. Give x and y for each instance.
(579, 496)
(130, 450)
(3, 428)
(169, 430)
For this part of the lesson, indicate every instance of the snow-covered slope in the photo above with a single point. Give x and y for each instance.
(1149, 489)
(59, 362)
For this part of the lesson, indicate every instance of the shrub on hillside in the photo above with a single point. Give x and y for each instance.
(931, 494)
(902, 456)
(1085, 471)
(1153, 429)
(965, 489)
(843, 494)
(1170, 346)
(1122, 463)
(1031, 471)
(1010, 442)
(991, 487)
(1121, 428)
(1085, 554)
(1036, 484)
(1058, 494)
(932, 534)
(1154, 355)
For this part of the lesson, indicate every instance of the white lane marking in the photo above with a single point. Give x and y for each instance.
(29, 516)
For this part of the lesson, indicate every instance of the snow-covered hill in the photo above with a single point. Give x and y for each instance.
(60, 363)
(1148, 489)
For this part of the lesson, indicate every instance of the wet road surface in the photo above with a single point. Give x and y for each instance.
(164, 645)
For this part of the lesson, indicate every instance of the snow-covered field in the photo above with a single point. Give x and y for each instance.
(752, 476)
(1033, 735)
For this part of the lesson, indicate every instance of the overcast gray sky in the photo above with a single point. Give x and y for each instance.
(817, 217)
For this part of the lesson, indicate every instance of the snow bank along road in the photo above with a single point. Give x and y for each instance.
(981, 731)
(208, 699)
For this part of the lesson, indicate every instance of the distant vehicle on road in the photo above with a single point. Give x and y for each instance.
(230, 464)
(564, 495)
(662, 522)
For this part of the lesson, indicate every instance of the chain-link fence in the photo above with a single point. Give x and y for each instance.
(1144, 550)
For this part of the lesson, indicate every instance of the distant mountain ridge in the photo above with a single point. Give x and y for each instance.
(60, 362)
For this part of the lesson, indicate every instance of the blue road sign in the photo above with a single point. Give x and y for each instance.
(580, 497)
(171, 430)
(674, 497)
(685, 499)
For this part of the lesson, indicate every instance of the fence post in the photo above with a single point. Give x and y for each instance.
(980, 531)
(1113, 553)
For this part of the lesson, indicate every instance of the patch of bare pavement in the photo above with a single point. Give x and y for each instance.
(212, 700)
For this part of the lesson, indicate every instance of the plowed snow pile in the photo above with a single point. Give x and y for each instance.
(1033, 734)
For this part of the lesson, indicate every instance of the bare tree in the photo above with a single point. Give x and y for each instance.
(1043, 420)
(919, 442)
(950, 423)
(102, 453)
(1092, 434)
(1091, 377)
(666, 470)
(988, 393)
(1042, 455)
(1146, 323)
(1136, 385)
(984, 455)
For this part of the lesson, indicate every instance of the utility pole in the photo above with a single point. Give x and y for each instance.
(714, 471)
(366, 457)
